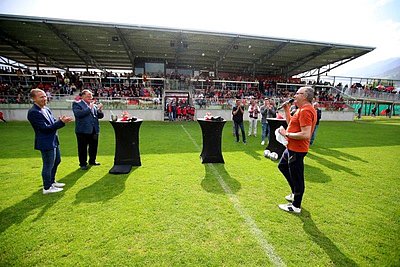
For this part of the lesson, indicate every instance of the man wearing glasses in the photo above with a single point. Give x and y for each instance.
(298, 133)
(87, 115)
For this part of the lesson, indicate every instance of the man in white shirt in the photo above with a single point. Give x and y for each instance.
(253, 110)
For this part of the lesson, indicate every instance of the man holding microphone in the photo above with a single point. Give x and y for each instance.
(298, 133)
(87, 115)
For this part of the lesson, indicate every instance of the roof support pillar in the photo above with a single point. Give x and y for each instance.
(30, 52)
(37, 64)
(128, 48)
(82, 54)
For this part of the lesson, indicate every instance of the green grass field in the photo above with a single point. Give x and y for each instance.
(175, 211)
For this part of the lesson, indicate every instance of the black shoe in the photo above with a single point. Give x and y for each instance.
(84, 168)
(94, 163)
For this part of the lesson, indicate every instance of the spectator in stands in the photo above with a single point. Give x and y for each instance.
(192, 113)
(173, 105)
(201, 100)
(170, 111)
(373, 111)
(2, 117)
(319, 113)
(298, 134)
(46, 139)
(184, 113)
(179, 113)
(267, 111)
(253, 110)
(237, 112)
(87, 115)
(388, 112)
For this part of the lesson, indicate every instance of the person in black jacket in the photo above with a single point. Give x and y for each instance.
(237, 112)
(373, 111)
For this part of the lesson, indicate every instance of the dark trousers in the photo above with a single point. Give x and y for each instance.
(237, 125)
(51, 159)
(87, 142)
(291, 166)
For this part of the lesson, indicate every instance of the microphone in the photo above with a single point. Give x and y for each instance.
(290, 101)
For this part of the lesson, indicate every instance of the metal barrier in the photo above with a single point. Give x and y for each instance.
(65, 102)
(370, 95)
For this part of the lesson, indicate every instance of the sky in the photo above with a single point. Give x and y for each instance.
(372, 23)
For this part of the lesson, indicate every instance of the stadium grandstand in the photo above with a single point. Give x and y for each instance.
(144, 69)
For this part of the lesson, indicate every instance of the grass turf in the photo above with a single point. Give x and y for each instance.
(172, 211)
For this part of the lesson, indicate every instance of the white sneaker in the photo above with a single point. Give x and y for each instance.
(57, 184)
(52, 189)
(290, 197)
(263, 143)
(289, 208)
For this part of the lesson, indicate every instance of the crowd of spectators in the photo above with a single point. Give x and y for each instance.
(15, 84)
(15, 87)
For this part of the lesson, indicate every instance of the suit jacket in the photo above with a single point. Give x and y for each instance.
(45, 126)
(85, 119)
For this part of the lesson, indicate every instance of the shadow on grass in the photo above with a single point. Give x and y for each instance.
(20, 211)
(18, 144)
(337, 257)
(214, 172)
(337, 154)
(253, 153)
(108, 187)
(331, 165)
(316, 175)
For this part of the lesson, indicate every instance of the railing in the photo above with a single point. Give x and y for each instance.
(65, 102)
(228, 103)
(366, 94)
(131, 103)
(371, 94)
(143, 103)
(25, 99)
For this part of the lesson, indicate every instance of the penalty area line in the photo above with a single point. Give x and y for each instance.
(251, 224)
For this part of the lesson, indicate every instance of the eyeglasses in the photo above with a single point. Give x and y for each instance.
(299, 93)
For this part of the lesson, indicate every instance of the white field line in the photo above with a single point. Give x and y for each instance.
(257, 233)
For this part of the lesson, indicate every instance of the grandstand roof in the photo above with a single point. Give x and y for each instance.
(80, 44)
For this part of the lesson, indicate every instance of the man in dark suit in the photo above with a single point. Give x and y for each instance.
(87, 115)
(46, 140)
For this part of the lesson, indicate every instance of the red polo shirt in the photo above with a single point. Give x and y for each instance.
(305, 116)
